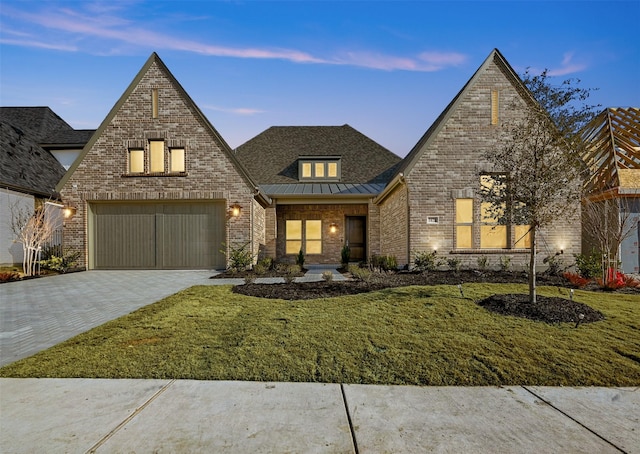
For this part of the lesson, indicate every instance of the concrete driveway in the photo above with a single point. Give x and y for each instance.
(36, 314)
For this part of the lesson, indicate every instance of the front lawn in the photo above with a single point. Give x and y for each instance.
(420, 335)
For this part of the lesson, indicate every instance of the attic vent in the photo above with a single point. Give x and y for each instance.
(494, 107)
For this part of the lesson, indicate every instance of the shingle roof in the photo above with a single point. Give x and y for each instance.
(272, 156)
(37, 122)
(25, 166)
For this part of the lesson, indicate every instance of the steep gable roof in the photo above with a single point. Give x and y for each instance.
(613, 150)
(154, 59)
(26, 166)
(495, 57)
(272, 156)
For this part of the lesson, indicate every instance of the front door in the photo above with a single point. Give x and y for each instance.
(357, 237)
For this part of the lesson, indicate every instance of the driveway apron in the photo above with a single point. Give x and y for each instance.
(36, 314)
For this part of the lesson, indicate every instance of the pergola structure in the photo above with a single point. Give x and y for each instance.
(613, 153)
(611, 210)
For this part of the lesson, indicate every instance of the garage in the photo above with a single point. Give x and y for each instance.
(152, 235)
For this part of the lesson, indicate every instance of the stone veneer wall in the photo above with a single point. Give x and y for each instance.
(210, 174)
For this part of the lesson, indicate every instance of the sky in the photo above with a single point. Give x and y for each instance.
(387, 68)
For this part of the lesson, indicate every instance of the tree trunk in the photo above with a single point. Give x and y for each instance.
(532, 267)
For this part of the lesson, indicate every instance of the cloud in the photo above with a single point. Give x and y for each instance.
(567, 66)
(38, 44)
(244, 111)
(108, 27)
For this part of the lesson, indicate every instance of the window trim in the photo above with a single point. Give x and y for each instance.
(313, 162)
(304, 237)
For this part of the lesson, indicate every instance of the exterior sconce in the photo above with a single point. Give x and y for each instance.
(235, 210)
(333, 227)
(68, 212)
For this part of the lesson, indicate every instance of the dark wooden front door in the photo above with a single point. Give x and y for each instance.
(357, 237)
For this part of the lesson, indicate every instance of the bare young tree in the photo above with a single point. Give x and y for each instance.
(536, 168)
(607, 223)
(33, 230)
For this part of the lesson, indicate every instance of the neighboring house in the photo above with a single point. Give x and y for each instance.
(156, 186)
(322, 181)
(28, 171)
(613, 159)
(432, 203)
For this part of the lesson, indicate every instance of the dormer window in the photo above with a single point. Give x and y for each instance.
(315, 168)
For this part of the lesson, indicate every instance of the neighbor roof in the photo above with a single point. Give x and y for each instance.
(272, 156)
(613, 149)
(26, 166)
(37, 122)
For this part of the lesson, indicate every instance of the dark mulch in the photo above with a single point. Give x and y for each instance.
(546, 309)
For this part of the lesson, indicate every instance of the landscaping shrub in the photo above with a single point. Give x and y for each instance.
(505, 263)
(9, 276)
(345, 255)
(361, 274)
(426, 261)
(249, 279)
(300, 259)
(554, 264)
(576, 279)
(589, 265)
(260, 269)
(61, 264)
(239, 258)
(266, 262)
(383, 263)
(290, 273)
(327, 276)
(454, 264)
(483, 262)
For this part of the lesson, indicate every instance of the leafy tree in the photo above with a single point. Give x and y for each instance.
(536, 168)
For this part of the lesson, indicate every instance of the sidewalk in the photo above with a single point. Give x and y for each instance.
(167, 416)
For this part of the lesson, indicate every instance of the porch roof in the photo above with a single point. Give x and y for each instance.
(322, 189)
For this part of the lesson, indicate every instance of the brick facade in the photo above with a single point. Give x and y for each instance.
(210, 174)
(449, 166)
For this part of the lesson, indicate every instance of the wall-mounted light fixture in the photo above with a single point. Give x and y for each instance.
(235, 210)
(333, 227)
(69, 211)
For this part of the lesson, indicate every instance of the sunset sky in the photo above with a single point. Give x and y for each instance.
(387, 68)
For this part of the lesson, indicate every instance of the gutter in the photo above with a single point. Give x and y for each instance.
(388, 189)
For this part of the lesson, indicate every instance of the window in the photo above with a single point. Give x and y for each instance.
(156, 156)
(313, 234)
(136, 160)
(492, 234)
(154, 103)
(294, 237)
(319, 168)
(494, 107)
(176, 162)
(464, 223)
(311, 243)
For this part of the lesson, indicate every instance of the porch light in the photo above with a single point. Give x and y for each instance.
(68, 212)
(333, 227)
(235, 210)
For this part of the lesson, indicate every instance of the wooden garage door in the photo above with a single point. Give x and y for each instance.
(158, 235)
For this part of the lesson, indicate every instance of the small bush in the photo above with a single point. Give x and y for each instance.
(361, 274)
(426, 261)
(631, 282)
(454, 264)
(576, 279)
(327, 276)
(260, 269)
(266, 262)
(345, 255)
(505, 263)
(589, 266)
(554, 264)
(300, 259)
(9, 276)
(249, 279)
(291, 271)
(239, 258)
(483, 262)
(61, 264)
(383, 263)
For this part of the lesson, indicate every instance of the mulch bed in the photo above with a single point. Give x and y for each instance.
(546, 309)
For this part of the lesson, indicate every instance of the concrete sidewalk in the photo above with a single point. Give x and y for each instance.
(167, 416)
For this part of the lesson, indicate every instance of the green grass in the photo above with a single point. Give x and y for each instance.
(410, 335)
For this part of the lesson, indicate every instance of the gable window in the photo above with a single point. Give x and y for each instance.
(303, 236)
(176, 160)
(154, 103)
(319, 168)
(495, 97)
(136, 160)
(156, 156)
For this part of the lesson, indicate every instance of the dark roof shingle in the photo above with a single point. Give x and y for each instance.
(272, 156)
